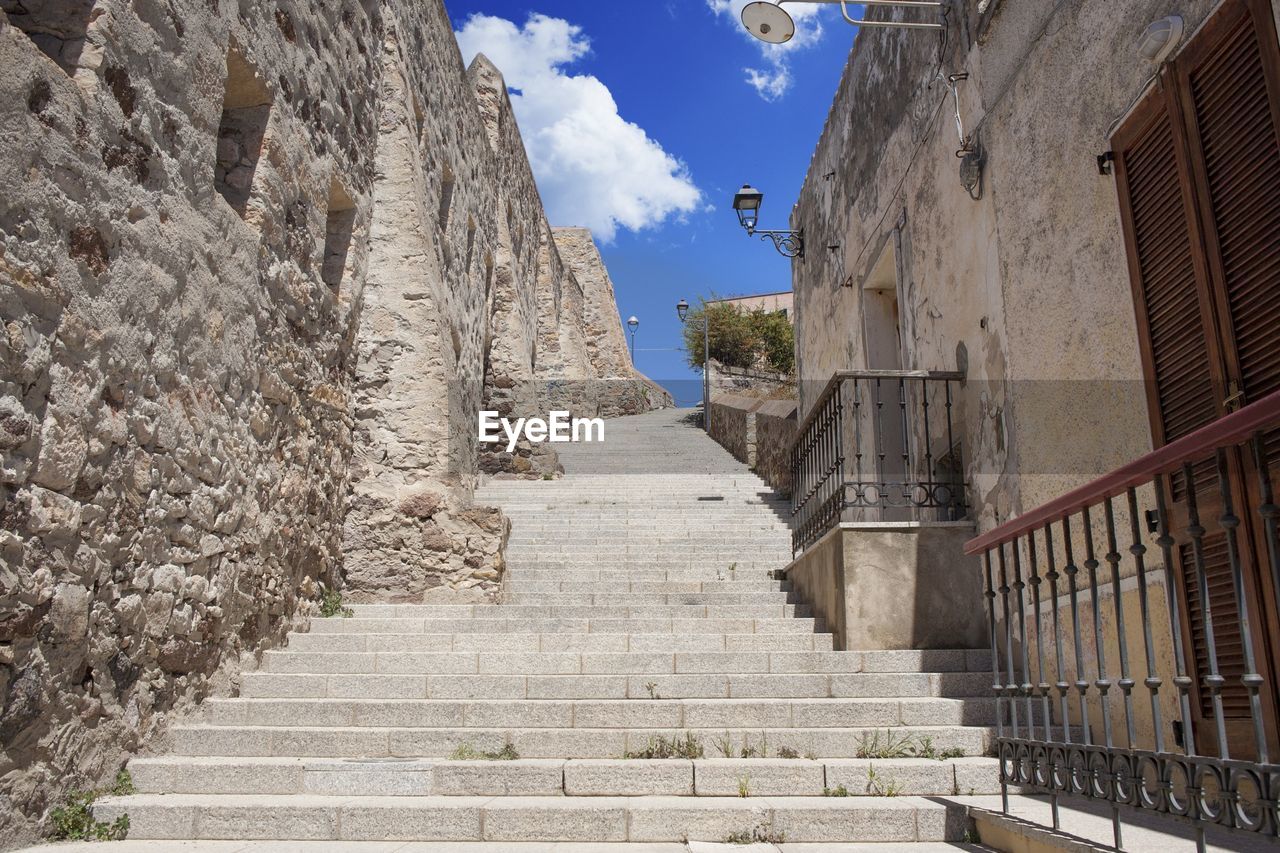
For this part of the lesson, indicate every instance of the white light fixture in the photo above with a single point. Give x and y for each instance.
(769, 22)
(1160, 39)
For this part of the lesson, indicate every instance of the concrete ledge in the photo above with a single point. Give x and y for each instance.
(894, 585)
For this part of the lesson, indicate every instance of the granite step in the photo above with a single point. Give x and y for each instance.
(701, 686)
(443, 741)
(661, 713)
(555, 777)
(633, 819)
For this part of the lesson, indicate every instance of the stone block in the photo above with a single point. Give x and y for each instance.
(634, 778)
(760, 777)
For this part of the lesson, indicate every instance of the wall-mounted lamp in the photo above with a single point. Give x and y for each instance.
(1160, 39)
(769, 22)
(747, 203)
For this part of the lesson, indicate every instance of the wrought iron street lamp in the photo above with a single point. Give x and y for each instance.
(632, 323)
(682, 310)
(747, 203)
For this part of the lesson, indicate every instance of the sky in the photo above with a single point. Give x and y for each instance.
(642, 118)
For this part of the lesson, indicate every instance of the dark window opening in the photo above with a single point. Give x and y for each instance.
(337, 236)
(446, 198)
(246, 108)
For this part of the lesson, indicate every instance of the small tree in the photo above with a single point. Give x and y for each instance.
(745, 339)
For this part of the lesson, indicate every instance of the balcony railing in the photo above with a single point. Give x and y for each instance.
(1133, 633)
(879, 445)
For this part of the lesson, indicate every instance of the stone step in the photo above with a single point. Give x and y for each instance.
(612, 663)
(500, 613)
(625, 598)
(517, 583)
(579, 641)
(637, 625)
(560, 629)
(702, 686)
(246, 817)
(552, 777)
(550, 742)
(532, 571)
(601, 713)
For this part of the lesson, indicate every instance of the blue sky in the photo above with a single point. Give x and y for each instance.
(643, 117)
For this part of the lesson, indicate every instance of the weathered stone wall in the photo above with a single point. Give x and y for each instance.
(256, 264)
(733, 425)
(175, 373)
(775, 431)
(750, 382)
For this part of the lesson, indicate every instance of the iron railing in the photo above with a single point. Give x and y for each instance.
(1191, 525)
(878, 445)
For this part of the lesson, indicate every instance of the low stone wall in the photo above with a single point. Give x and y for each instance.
(775, 431)
(733, 425)
(757, 432)
(749, 382)
(894, 585)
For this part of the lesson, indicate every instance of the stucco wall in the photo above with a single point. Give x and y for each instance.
(1026, 290)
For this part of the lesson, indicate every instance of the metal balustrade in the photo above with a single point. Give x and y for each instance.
(1173, 716)
(879, 445)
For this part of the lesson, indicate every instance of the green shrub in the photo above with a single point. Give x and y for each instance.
(741, 338)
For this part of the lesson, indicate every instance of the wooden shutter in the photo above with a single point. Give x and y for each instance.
(1163, 262)
(1229, 91)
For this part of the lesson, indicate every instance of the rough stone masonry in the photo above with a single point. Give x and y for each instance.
(260, 265)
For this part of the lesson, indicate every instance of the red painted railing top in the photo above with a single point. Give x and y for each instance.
(1231, 429)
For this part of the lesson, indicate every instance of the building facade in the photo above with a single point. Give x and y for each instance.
(1067, 210)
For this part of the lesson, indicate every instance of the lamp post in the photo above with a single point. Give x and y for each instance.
(632, 322)
(682, 309)
(747, 202)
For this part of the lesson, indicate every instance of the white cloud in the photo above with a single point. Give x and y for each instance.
(773, 80)
(594, 168)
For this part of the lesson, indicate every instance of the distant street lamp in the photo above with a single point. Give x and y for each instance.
(633, 323)
(682, 309)
(747, 203)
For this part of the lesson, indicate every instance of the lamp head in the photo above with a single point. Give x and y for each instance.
(682, 308)
(747, 203)
(632, 321)
(768, 22)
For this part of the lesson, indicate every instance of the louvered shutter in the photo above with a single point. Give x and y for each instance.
(1166, 274)
(1232, 130)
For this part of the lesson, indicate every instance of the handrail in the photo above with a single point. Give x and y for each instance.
(1228, 430)
(840, 375)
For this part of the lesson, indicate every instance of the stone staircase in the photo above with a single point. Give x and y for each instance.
(645, 679)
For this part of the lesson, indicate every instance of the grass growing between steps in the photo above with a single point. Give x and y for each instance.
(675, 747)
(763, 833)
(73, 820)
(466, 752)
(331, 605)
(902, 746)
